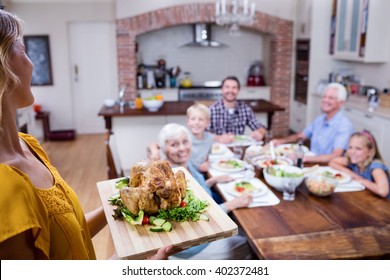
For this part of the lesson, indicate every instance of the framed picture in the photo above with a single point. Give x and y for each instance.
(38, 50)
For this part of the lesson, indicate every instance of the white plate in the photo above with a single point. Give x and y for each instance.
(218, 149)
(217, 165)
(289, 148)
(259, 188)
(264, 161)
(242, 138)
(343, 180)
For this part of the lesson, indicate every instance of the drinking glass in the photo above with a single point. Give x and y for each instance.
(237, 151)
(289, 190)
(268, 136)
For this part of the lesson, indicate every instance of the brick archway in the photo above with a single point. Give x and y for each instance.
(280, 30)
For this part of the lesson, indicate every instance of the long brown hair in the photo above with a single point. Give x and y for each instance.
(10, 32)
(370, 143)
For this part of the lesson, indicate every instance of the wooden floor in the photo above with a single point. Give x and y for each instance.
(82, 163)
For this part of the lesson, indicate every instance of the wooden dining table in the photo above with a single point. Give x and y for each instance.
(345, 225)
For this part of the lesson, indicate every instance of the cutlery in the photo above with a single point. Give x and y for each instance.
(272, 150)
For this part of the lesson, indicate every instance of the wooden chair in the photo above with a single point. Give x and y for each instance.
(113, 165)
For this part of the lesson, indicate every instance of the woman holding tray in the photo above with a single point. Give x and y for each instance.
(41, 216)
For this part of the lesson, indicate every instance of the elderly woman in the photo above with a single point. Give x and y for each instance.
(175, 144)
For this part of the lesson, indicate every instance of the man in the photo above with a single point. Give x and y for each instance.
(230, 116)
(329, 133)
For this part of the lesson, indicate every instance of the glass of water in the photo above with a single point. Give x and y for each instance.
(237, 151)
(289, 190)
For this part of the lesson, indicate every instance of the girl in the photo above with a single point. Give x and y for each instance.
(364, 163)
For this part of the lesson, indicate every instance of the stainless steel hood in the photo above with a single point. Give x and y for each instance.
(202, 37)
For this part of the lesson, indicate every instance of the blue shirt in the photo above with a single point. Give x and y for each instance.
(367, 172)
(325, 136)
(222, 121)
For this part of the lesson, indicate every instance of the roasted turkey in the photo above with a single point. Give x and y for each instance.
(153, 186)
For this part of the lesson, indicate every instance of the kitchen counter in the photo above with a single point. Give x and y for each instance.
(360, 103)
(176, 108)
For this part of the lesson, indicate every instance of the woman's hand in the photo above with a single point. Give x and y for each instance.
(163, 253)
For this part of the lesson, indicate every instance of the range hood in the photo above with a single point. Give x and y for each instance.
(202, 37)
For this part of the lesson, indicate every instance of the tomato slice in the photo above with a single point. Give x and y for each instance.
(240, 188)
(183, 204)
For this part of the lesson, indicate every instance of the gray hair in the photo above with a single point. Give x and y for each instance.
(341, 90)
(171, 131)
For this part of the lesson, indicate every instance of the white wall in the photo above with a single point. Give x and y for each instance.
(204, 64)
(52, 19)
(281, 8)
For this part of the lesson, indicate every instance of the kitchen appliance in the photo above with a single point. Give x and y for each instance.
(196, 93)
(255, 75)
(373, 98)
(159, 73)
(202, 37)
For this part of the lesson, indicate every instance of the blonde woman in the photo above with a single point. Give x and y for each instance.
(41, 216)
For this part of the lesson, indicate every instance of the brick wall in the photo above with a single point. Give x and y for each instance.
(281, 49)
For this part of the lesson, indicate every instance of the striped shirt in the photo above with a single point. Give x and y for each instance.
(224, 120)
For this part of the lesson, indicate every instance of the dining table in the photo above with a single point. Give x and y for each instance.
(344, 225)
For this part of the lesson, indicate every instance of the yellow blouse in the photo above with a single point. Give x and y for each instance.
(54, 215)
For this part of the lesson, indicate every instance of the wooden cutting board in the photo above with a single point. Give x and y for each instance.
(138, 242)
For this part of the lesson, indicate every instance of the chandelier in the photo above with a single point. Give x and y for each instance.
(234, 15)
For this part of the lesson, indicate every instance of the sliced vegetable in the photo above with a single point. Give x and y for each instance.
(156, 229)
(134, 220)
(124, 182)
(204, 217)
(167, 227)
(151, 219)
(158, 222)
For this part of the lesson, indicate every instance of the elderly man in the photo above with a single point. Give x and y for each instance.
(230, 116)
(329, 133)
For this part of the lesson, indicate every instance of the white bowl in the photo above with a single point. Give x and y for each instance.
(109, 102)
(152, 105)
(279, 182)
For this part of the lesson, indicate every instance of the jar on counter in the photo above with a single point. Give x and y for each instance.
(186, 81)
(138, 102)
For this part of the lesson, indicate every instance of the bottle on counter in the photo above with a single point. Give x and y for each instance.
(299, 154)
(138, 102)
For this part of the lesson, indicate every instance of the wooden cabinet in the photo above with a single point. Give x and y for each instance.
(359, 30)
(302, 70)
